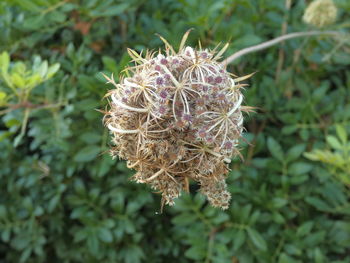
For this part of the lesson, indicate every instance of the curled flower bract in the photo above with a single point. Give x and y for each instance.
(177, 117)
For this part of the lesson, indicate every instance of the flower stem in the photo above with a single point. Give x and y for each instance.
(127, 107)
(275, 41)
(121, 131)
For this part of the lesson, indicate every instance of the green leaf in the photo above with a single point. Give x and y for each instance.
(90, 137)
(18, 81)
(25, 254)
(111, 10)
(305, 228)
(3, 211)
(314, 239)
(3, 96)
(110, 64)
(34, 80)
(53, 203)
(18, 140)
(58, 17)
(105, 235)
(313, 156)
(4, 135)
(52, 70)
(334, 142)
(292, 249)
(19, 67)
(4, 61)
(12, 123)
(20, 242)
(318, 203)
(295, 152)
(133, 254)
(247, 40)
(183, 219)
(299, 168)
(239, 239)
(28, 5)
(80, 235)
(275, 149)
(42, 69)
(257, 239)
(319, 258)
(5, 235)
(289, 129)
(278, 202)
(278, 218)
(87, 153)
(93, 244)
(341, 132)
(195, 252)
(284, 258)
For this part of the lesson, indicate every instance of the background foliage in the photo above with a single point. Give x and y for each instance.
(62, 198)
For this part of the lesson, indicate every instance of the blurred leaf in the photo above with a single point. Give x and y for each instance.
(318, 203)
(28, 4)
(295, 152)
(105, 235)
(239, 239)
(114, 10)
(299, 168)
(87, 153)
(275, 149)
(334, 142)
(42, 69)
(279, 202)
(52, 70)
(18, 81)
(4, 61)
(196, 253)
(305, 228)
(257, 239)
(341, 132)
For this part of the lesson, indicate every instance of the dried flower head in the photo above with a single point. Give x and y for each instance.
(320, 13)
(178, 116)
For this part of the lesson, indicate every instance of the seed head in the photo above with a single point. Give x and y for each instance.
(177, 117)
(320, 13)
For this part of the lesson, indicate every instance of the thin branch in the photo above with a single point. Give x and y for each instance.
(28, 105)
(275, 41)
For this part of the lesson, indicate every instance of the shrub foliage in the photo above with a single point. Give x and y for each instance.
(62, 197)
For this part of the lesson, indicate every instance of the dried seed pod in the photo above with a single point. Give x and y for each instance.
(177, 117)
(320, 13)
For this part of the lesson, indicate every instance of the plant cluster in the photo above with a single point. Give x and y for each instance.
(64, 199)
(337, 159)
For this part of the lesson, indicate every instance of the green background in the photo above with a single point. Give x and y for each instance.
(63, 199)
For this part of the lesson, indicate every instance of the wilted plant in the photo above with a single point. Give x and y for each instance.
(178, 116)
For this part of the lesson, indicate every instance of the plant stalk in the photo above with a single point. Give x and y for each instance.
(273, 42)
